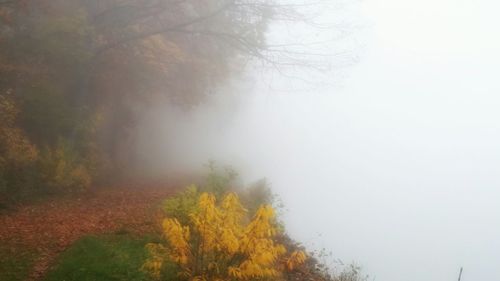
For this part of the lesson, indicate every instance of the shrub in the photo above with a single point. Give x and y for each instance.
(256, 195)
(17, 154)
(182, 205)
(61, 170)
(220, 242)
(61, 165)
(219, 181)
(323, 265)
(351, 273)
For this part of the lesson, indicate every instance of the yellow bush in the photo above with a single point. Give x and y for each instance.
(221, 243)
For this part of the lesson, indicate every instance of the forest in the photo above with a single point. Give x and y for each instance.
(75, 76)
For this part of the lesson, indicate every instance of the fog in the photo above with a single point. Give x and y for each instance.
(394, 164)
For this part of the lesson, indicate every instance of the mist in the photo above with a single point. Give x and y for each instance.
(374, 122)
(392, 165)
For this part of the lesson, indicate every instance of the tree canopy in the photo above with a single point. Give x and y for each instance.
(77, 73)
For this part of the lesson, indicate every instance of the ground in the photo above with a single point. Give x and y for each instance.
(98, 235)
(32, 236)
(110, 257)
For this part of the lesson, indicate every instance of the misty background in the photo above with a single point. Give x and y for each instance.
(398, 151)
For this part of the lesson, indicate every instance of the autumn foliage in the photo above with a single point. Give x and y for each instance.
(220, 242)
(76, 76)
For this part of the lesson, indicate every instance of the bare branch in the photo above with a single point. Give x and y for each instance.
(163, 30)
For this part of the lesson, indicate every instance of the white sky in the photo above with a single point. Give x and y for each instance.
(397, 168)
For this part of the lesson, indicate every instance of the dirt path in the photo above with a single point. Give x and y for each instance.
(50, 227)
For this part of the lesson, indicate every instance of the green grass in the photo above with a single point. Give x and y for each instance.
(15, 263)
(108, 257)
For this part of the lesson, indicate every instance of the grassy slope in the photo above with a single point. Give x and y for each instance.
(106, 257)
(33, 234)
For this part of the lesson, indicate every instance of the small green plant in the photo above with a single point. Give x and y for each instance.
(219, 181)
(183, 204)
